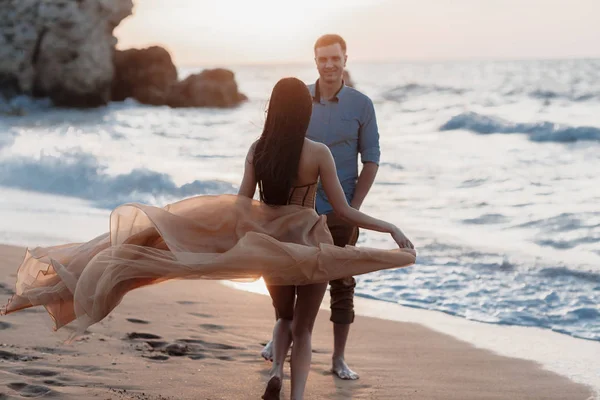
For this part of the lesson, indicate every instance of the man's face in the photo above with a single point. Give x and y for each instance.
(331, 61)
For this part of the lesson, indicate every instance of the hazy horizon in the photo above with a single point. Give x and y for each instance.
(397, 61)
(282, 32)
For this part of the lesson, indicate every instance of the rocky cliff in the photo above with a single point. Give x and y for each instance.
(62, 49)
(65, 50)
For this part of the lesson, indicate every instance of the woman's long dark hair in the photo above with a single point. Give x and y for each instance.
(277, 152)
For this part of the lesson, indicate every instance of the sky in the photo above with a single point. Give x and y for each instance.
(202, 32)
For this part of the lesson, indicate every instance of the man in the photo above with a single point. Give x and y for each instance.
(343, 119)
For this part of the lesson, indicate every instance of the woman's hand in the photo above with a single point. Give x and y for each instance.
(401, 239)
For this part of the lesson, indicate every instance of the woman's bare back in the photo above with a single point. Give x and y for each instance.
(308, 168)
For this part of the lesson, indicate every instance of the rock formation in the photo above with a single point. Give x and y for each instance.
(146, 75)
(60, 49)
(150, 77)
(65, 50)
(210, 88)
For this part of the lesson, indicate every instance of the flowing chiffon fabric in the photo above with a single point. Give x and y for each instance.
(206, 237)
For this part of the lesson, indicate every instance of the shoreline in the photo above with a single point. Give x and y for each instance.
(212, 336)
(570, 356)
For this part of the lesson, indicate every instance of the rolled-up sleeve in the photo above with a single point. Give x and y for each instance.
(368, 138)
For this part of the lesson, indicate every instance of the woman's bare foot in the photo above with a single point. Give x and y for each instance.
(341, 369)
(273, 389)
(267, 351)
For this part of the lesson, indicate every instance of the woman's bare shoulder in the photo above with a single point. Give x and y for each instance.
(250, 155)
(315, 147)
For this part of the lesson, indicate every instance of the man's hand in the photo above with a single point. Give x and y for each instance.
(363, 184)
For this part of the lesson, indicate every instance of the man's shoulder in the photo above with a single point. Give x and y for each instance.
(356, 96)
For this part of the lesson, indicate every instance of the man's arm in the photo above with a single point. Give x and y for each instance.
(364, 183)
(368, 146)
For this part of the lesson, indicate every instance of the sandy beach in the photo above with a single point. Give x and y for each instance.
(201, 340)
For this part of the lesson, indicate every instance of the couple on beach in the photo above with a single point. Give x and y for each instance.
(299, 237)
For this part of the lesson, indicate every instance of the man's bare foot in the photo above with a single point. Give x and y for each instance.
(273, 390)
(341, 369)
(267, 351)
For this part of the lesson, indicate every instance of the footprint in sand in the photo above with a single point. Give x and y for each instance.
(156, 344)
(158, 357)
(187, 303)
(142, 335)
(36, 372)
(86, 368)
(4, 289)
(209, 345)
(53, 382)
(183, 349)
(26, 390)
(194, 349)
(54, 350)
(137, 321)
(8, 356)
(177, 349)
(212, 327)
(195, 314)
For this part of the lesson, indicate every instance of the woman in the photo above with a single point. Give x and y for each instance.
(286, 167)
(219, 237)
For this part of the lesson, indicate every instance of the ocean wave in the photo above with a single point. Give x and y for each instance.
(563, 244)
(81, 175)
(558, 273)
(562, 222)
(537, 132)
(527, 301)
(583, 313)
(579, 319)
(570, 96)
(22, 105)
(400, 93)
(7, 137)
(565, 230)
(391, 165)
(486, 219)
(493, 287)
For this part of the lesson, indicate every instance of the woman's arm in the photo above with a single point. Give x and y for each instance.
(337, 199)
(248, 185)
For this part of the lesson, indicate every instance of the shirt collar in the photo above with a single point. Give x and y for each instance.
(336, 97)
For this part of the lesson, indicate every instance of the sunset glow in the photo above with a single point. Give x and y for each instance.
(199, 32)
(272, 29)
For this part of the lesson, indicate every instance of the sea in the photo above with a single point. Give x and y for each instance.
(491, 168)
